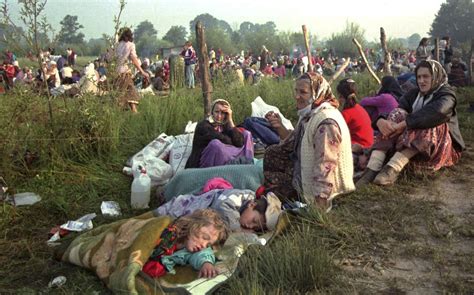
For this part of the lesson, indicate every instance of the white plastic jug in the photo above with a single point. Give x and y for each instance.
(141, 185)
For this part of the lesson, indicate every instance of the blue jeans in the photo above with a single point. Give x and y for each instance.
(189, 74)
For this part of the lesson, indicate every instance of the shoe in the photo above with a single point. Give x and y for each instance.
(387, 176)
(367, 177)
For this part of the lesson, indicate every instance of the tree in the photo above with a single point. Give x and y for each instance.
(413, 41)
(208, 21)
(176, 35)
(342, 42)
(69, 33)
(455, 18)
(145, 29)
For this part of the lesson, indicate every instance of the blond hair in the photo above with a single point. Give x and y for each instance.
(188, 225)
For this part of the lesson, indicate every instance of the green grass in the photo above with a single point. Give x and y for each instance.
(81, 154)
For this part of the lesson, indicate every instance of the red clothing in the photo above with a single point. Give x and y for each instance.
(154, 268)
(359, 125)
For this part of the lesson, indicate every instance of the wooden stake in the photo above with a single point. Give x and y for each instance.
(387, 58)
(308, 49)
(339, 72)
(204, 68)
(471, 63)
(436, 49)
(361, 52)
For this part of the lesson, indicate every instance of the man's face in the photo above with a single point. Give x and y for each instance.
(303, 94)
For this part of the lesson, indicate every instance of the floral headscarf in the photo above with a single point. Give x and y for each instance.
(439, 76)
(321, 89)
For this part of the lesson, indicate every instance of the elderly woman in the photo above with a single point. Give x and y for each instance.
(424, 128)
(126, 51)
(218, 142)
(314, 162)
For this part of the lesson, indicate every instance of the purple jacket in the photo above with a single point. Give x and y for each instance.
(379, 105)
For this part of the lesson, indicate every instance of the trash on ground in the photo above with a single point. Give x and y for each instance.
(110, 208)
(23, 199)
(57, 282)
(81, 224)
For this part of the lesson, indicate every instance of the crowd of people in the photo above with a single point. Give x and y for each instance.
(341, 142)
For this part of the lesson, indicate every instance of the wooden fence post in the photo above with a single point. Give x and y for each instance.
(308, 49)
(339, 72)
(204, 69)
(436, 49)
(361, 52)
(387, 58)
(471, 63)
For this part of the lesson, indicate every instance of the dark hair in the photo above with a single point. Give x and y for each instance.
(423, 41)
(126, 35)
(261, 206)
(348, 89)
(424, 64)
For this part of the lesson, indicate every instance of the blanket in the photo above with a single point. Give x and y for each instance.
(116, 253)
(191, 181)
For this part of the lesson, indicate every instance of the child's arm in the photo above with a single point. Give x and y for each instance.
(204, 262)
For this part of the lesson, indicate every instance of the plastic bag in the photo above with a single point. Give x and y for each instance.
(180, 151)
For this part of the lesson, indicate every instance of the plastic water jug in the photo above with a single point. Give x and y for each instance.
(140, 196)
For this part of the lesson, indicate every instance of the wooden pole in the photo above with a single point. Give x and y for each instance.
(471, 64)
(436, 49)
(204, 68)
(361, 52)
(339, 72)
(308, 49)
(387, 58)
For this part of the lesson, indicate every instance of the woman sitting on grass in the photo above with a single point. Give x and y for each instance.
(188, 240)
(217, 141)
(358, 121)
(314, 162)
(386, 99)
(424, 127)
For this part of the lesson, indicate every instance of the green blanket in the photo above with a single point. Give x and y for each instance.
(190, 181)
(116, 253)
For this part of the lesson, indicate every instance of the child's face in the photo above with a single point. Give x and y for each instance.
(251, 218)
(206, 236)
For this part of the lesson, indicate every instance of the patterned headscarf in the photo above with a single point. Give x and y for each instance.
(321, 89)
(439, 76)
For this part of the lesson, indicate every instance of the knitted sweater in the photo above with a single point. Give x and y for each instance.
(342, 174)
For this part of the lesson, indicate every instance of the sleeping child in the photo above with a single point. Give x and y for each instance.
(240, 209)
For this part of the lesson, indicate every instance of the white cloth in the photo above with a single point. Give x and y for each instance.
(260, 109)
(124, 51)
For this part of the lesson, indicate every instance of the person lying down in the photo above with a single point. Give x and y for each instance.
(240, 209)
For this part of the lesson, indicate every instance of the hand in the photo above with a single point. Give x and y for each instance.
(274, 119)
(398, 128)
(207, 271)
(145, 75)
(386, 127)
(230, 121)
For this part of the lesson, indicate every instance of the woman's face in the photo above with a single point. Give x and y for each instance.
(251, 218)
(303, 94)
(205, 237)
(220, 113)
(424, 79)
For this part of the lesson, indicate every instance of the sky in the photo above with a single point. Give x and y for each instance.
(399, 18)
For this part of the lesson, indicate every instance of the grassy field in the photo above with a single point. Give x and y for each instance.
(414, 237)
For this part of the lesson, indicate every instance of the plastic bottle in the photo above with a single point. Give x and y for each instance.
(140, 196)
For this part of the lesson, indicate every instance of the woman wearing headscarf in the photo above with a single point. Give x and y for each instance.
(314, 162)
(424, 128)
(217, 141)
(386, 99)
(125, 51)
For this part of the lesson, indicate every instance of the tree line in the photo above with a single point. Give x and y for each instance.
(455, 18)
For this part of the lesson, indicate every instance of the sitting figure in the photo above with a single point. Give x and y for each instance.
(385, 100)
(188, 240)
(424, 127)
(313, 163)
(358, 121)
(217, 141)
(238, 208)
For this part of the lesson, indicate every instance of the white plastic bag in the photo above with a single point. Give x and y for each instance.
(260, 109)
